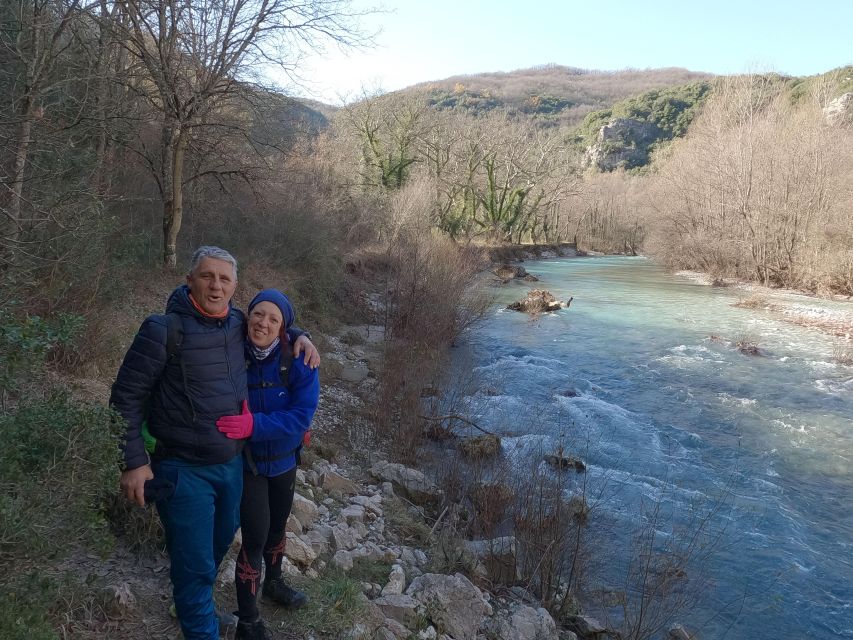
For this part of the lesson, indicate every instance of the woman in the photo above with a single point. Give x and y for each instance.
(283, 396)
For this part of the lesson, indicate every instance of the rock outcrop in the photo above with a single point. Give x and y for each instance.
(622, 143)
(586, 627)
(840, 110)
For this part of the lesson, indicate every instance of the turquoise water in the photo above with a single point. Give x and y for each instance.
(630, 379)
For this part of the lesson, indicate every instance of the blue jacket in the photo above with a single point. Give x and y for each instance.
(281, 415)
(183, 397)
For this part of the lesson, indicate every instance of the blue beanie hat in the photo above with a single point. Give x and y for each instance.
(278, 299)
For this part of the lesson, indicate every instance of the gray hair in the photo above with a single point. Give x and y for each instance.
(212, 252)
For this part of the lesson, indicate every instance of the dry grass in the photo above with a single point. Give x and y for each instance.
(491, 502)
(843, 354)
(756, 301)
(840, 327)
(481, 447)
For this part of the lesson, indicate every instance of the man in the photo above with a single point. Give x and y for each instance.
(183, 371)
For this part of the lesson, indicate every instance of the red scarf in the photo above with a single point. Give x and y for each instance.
(217, 316)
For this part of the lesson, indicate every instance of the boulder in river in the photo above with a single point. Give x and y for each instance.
(747, 347)
(561, 461)
(507, 272)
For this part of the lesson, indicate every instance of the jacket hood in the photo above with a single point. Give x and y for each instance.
(278, 299)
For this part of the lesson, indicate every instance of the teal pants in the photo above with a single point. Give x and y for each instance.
(200, 520)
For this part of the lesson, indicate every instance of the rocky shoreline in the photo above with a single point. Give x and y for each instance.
(348, 514)
(520, 252)
(350, 525)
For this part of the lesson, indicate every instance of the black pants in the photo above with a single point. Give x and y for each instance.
(264, 510)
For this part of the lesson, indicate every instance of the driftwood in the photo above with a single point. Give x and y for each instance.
(454, 416)
(539, 301)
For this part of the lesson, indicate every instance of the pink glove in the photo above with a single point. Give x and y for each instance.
(237, 427)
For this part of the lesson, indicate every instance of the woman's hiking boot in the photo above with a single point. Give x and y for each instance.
(255, 630)
(277, 590)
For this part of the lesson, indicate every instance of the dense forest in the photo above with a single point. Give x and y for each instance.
(132, 132)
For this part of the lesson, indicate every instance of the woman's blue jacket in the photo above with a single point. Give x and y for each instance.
(281, 415)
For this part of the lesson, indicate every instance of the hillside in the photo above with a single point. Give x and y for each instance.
(558, 95)
(624, 134)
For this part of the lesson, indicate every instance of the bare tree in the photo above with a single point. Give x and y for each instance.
(192, 59)
(744, 193)
(387, 131)
(34, 36)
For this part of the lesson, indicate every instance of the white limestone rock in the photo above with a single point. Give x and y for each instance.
(452, 603)
(396, 582)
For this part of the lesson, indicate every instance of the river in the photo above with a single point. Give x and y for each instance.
(630, 379)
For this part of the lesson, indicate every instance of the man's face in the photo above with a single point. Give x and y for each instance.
(212, 284)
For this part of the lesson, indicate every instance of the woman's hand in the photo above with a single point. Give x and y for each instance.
(306, 347)
(237, 427)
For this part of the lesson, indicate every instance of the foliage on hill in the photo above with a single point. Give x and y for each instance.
(667, 112)
(830, 84)
(553, 95)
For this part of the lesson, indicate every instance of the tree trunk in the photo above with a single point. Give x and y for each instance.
(99, 180)
(173, 208)
(22, 149)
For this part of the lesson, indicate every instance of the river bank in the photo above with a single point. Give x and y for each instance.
(361, 541)
(800, 309)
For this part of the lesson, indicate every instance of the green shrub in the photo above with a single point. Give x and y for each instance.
(46, 604)
(26, 605)
(58, 467)
(25, 342)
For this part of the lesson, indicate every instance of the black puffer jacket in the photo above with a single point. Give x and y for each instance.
(183, 398)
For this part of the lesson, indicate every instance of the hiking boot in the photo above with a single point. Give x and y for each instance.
(252, 631)
(277, 590)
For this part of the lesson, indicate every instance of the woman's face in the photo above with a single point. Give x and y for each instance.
(264, 324)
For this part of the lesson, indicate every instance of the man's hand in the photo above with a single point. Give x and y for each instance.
(133, 483)
(237, 427)
(311, 355)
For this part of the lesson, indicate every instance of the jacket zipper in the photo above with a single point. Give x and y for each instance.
(228, 364)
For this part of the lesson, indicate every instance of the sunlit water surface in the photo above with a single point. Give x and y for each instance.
(631, 379)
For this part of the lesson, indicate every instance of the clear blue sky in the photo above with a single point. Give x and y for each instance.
(429, 40)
